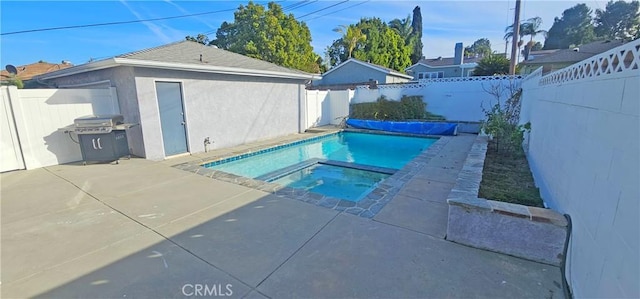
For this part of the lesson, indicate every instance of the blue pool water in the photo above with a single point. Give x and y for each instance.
(370, 149)
(340, 182)
(349, 183)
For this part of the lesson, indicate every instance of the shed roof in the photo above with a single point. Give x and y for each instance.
(372, 66)
(186, 55)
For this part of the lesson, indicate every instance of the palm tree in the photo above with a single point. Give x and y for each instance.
(509, 34)
(529, 27)
(403, 28)
(351, 36)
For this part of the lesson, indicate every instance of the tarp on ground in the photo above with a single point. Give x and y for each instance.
(412, 127)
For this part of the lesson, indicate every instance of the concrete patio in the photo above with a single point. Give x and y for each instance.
(146, 229)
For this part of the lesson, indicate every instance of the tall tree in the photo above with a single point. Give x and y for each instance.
(480, 48)
(416, 24)
(383, 46)
(575, 27)
(508, 36)
(403, 27)
(531, 28)
(619, 20)
(351, 36)
(270, 35)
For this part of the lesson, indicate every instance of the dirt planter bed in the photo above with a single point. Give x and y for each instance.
(531, 233)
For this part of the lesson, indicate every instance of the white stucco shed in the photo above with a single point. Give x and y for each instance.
(183, 93)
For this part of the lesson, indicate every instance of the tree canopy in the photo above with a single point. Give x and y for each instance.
(383, 46)
(403, 27)
(493, 64)
(575, 27)
(270, 35)
(481, 48)
(619, 20)
(201, 38)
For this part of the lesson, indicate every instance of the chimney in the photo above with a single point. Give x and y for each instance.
(457, 58)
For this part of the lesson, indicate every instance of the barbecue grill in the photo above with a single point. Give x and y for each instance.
(102, 138)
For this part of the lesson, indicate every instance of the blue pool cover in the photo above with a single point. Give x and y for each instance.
(413, 127)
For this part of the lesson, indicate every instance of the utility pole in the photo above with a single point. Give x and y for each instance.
(514, 43)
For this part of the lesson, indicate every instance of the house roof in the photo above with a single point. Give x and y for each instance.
(26, 72)
(185, 55)
(444, 62)
(572, 55)
(376, 67)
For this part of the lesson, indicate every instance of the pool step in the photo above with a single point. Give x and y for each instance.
(274, 175)
(384, 170)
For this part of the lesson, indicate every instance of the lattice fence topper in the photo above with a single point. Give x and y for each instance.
(425, 82)
(472, 78)
(625, 58)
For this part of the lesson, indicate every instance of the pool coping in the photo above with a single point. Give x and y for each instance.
(367, 207)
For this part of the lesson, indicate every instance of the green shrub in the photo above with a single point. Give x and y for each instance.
(409, 107)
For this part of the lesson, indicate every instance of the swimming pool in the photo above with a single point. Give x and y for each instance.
(340, 182)
(368, 156)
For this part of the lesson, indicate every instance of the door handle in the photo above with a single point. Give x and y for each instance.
(93, 140)
(99, 146)
(183, 123)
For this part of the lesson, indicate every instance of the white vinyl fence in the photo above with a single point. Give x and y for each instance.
(31, 119)
(457, 99)
(327, 107)
(584, 152)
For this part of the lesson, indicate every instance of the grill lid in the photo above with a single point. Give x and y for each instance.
(106, 120)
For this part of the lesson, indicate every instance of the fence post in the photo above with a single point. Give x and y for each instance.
(21, 128)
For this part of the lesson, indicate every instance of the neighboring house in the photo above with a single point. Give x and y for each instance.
(444, 67)
(553, 60)
(27, 72)
(355, 72)
(183, 93)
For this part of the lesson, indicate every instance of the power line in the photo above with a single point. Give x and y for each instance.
(319, 10)
(303, 5)
(298, 5)
(339, 10)
(294, 4)
(117, 23)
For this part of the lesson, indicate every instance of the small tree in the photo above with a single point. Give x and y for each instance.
(494, 64)
(503, 118)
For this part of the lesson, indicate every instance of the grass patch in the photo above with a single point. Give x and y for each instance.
(506, 177)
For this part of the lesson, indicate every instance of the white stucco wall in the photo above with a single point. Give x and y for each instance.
(230, 110)
(585, 156)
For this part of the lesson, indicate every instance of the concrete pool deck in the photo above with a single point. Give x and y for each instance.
(147, 229)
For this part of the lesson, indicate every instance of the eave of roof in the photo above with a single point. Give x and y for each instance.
(113, 62)
(372, 66)
(464, 65)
